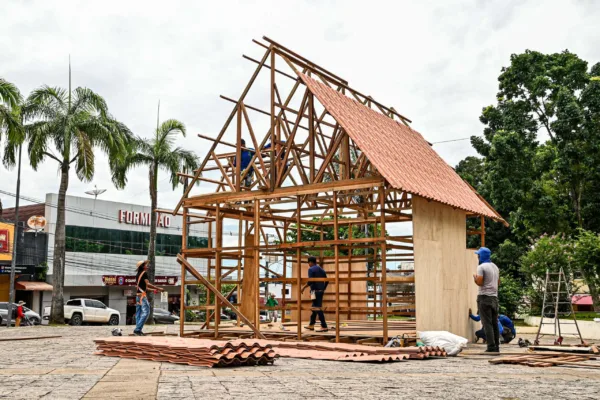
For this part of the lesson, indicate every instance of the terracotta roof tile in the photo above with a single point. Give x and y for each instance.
(400, 153)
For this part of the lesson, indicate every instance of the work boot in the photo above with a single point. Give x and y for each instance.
(322, 329)
(310, 327)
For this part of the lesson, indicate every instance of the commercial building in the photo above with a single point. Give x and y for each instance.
(104, 241)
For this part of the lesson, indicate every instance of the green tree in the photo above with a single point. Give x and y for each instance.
(586, 260)
(548, 253)
(156, 153)
(74, 123)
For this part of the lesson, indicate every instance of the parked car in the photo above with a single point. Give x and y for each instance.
(80, 311)
(162, 316)
(33, 317)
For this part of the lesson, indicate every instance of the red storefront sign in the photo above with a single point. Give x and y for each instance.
(129, 280)
(4, 240)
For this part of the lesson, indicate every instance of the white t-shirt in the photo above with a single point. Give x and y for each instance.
(490, 274)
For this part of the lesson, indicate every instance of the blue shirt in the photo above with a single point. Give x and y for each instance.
(317, 272)
(505, 321)
(246, 158)
(477, 318)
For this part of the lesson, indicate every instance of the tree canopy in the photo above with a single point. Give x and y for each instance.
(539, 163)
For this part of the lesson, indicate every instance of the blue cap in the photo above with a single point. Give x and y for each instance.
(483, 250)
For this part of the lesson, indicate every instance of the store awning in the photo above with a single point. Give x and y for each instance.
(26, 285)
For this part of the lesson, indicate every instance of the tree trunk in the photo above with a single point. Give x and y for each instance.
(152, 244)
(57, 314)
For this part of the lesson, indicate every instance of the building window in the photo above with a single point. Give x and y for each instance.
(114, 241)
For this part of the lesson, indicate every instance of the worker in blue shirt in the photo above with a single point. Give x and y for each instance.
(317, 289)
(509, 332)
(505, 327)
(246, 156)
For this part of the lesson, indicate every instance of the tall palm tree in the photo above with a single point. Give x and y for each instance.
(156, 153)
(74, 123)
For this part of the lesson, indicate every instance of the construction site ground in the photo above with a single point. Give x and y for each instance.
(66, 368)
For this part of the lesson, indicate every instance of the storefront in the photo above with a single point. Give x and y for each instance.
(104, 241)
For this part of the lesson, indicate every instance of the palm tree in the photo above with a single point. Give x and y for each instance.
(74, 123)
(156, 153)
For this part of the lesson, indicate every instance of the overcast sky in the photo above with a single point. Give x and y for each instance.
(436, 63)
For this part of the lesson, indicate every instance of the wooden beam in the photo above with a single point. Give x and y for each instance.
(341, 185)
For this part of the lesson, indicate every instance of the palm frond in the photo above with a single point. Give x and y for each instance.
(178, 160)
(9, 94)
(84, 159)
(89, 101)
(168, 130)
(54, 97)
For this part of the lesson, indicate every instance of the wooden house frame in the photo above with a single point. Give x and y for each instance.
(344, 171)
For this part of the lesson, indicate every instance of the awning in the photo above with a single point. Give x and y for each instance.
(582, 300)
(27, 285)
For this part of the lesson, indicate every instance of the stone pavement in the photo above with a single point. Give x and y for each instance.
(65, 368)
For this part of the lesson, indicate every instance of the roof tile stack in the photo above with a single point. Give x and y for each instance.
(355, 352)
(197, 352)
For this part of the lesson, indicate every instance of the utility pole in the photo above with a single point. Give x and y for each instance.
(13, 264)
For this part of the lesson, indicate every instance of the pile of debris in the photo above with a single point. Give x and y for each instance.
(197, 352)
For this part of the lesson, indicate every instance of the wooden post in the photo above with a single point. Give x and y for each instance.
(311, 137)
(257, 260)
(272, 169)
(238, 149)
(337, 269)
(208, 273)
(219, 229)
(239, 267)
(482, 234)
(349, 288)
(283, 295)
(383, 264)
(182, 288)
(298, 269)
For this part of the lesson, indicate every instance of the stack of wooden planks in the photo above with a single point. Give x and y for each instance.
(197, 352)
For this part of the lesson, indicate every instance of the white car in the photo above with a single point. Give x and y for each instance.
(78, 311)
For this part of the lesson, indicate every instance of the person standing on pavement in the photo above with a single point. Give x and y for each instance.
(488, 279)
(20, 314)
(317, 289)
(142, 305)
(272, 302)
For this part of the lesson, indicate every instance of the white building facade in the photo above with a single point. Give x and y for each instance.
(105, 240)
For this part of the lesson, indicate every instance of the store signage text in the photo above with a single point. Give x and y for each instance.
(143, 218)
(129, 280)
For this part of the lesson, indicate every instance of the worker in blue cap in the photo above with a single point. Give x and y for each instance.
(488, 279)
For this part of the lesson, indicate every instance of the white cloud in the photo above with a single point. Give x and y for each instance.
(436, 64)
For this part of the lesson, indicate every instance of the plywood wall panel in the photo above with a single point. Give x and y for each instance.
(444, 288)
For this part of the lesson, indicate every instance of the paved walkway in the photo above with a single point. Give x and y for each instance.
(65, 368)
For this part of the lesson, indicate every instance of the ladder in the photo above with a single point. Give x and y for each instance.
(557, 302)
